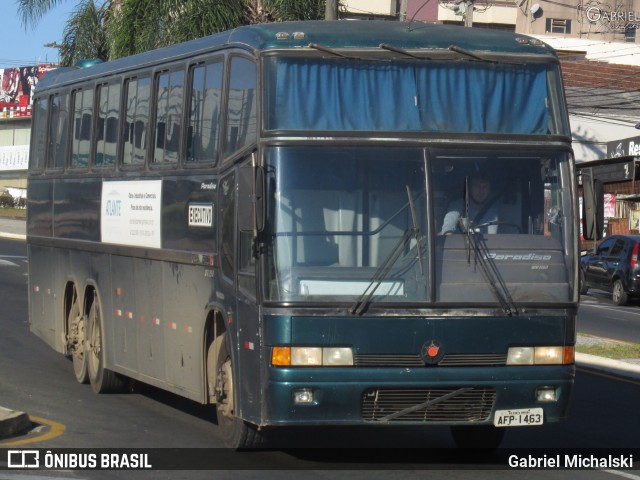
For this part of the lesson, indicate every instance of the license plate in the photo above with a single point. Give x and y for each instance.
(518, 418)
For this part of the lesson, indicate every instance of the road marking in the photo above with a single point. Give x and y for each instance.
(622, 474)
(7, 263)
(607, 375)
(55, 430)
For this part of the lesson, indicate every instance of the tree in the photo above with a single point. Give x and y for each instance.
(141, 25)
(85, 34)
(108, 29)
(289, 10)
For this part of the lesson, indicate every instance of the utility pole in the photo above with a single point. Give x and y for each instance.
(403, 11)
(468, 15)
(331, 10)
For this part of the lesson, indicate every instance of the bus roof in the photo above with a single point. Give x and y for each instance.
(332, 34)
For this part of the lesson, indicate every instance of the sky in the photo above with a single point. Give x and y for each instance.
(20, 47)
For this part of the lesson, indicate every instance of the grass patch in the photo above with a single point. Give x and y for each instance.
(611, 350)
(8, 212)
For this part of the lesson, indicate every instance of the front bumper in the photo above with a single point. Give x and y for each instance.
(412, 396)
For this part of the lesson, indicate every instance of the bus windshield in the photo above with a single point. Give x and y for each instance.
(354, 224)
(414, 96)
(344, 217)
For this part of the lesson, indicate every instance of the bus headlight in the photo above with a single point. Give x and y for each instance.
(311, 356)
(337, 356)
(306, 356)
(520, 356)
(540, 355)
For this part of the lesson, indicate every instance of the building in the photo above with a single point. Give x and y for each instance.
(16, 89)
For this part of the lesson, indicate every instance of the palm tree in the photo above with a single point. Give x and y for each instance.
(85, 34)
(141, 25)
(109, 29)
(285, 10)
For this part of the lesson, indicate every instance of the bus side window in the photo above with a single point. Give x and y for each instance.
(58, 127)
(39, 135)
(168, 116)
(137, 99)
(241, 109)
(108, 121)
(82, 107)
(204, 117)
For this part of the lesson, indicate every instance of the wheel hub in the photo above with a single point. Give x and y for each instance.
(224, 389)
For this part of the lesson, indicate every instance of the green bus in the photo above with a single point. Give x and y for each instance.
(258, 220)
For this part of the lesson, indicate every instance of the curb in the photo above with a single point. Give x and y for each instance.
(617, 368)
(12, 422)
(13, 236)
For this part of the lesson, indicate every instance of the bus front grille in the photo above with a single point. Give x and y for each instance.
(450, 360)
(428, 405)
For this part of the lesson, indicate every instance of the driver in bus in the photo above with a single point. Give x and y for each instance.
(483, 213)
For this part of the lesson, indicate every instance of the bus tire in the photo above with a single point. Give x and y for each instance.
(101, 379)
(76, 326)
(480, 436)
(235, 432)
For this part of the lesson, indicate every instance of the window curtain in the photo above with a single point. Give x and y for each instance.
(457, 97)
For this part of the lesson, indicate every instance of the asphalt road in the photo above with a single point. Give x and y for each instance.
(598, 316)
(34, 378)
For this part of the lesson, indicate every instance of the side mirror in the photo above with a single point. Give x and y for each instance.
(592, 207)
(259, 199)
(251, 198)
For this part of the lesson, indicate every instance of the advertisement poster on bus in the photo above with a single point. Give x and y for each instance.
(130, 213)
(17, 87)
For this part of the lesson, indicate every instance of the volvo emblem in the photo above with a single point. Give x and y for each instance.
(431, 352)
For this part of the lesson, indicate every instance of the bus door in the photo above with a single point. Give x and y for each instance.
(238, 269)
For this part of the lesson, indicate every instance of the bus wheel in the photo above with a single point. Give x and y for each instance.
(235, 432)
(77, 340)
(480, 436)
(101, 379)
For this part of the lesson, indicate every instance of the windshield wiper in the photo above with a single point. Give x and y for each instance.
(487, 265)
(381, 273)
(488, 268)
(401, 51)
(473, 56)
(467, 53)
(388, 263)
(332, 51)
(415, 230)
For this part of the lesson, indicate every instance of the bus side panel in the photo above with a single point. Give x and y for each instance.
(46, 296)
(123, 316)
(151, 324)
(77, 209)
(39, 207)
(187, 292)
(188, 219)
(188, 224)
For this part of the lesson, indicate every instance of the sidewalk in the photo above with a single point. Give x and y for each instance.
(12, 422)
